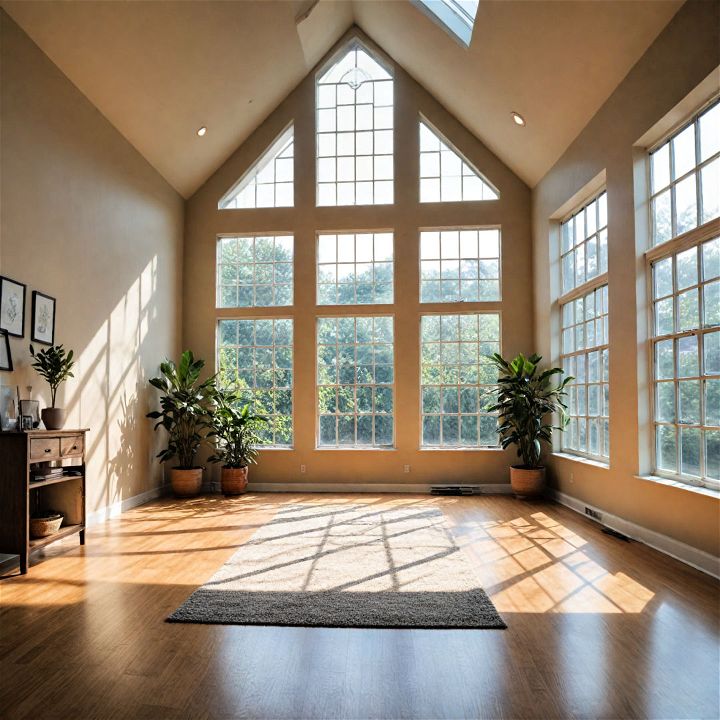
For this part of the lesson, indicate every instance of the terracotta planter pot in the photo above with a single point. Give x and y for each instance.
(186, 483)
(527, 481)
(53, 418)
(233, 481)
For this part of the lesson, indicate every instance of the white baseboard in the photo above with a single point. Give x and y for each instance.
(694, 557)
(117, 508)
(418, 488)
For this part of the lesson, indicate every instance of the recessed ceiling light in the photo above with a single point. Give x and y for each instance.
(518, 119)
(201, 131)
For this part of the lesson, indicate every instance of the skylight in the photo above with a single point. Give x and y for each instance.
(456, 16)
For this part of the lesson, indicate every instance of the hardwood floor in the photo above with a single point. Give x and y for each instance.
(597, 628)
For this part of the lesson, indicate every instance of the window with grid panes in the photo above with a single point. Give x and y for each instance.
(460, 264)
(355, 268)
(254, 271)
(685, 177)
(585, 356)
(269, 183)
(355, 382)
(256, 356)
(584, 349)
(456, 378)
(584, 244)
(354, 104)
(686, 362)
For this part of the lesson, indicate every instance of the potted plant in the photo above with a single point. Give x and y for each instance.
(184, 415)
(525, 397)
(53, 364)
(235, 428)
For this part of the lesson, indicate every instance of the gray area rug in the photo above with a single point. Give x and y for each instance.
(346, 566)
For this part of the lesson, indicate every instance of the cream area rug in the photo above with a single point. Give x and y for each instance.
(346, 566)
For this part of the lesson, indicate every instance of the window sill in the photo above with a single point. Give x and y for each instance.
(581, 459)
(459, 448)
(708, 492)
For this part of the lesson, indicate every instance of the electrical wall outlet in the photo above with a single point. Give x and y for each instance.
(303, 468)
(406, 468)
(594, 514)
(572, 478)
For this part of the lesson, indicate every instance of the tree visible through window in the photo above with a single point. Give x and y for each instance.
(256, 356)
(355, 381)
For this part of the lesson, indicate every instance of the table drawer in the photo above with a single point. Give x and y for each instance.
(43, 448)
(71, 446)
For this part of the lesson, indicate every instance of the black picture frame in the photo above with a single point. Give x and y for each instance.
(34, 336)
(6, 362)
(4, 280)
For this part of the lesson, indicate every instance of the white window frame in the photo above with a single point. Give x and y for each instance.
(581, 291)
(478, 386)
(671, 186)
(670, 249)
(377, 182)
(254, 263)
(355, 234)
(479, 257)
(255, 318)
(355, 414)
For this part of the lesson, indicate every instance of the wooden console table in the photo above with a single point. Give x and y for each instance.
(22, 455)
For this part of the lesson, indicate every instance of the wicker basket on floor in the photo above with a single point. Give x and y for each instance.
(42, 527)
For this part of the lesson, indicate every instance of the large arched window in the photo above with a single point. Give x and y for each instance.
(354, 103)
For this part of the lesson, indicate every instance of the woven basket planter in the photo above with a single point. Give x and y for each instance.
(42, 527)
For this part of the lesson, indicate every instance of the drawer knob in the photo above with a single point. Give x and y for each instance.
(74, 447)
(48, 450)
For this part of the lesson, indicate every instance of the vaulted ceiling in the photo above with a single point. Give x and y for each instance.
(160, 70)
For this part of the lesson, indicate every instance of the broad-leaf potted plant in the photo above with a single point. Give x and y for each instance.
(55, 366)
(235, 428)
(183, 413)
(526, 397)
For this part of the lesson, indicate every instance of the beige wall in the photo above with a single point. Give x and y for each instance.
(85, 219)
(204, 222)
(683, 56)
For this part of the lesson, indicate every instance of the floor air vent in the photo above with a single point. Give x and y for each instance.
(453, 490)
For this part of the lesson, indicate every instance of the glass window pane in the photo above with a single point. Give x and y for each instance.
(355, 374)
(354, 131)
(254, 271)
(255, 356)
(268, 183)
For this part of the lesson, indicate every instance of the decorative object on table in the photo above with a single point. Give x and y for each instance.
(525, 397)
(26, 422)
(55, 366)
(31, 408)
(46, 523)
(184, 411)
(234, 427)
(8, 409)
(43, 318)
(5, 354)
(12, 307)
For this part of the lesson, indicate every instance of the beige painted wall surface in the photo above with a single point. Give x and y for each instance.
(684, 55)
(85, 219)
(512, 212)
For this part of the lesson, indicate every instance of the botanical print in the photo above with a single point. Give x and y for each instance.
(12, 306)
(43, 318)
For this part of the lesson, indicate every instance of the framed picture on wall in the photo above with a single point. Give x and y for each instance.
(43, 318)
(12, 307)
(5, 356)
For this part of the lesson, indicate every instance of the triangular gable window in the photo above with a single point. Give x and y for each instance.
(445, 176)
(269, 182)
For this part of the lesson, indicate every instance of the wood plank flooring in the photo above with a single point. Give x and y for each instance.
(598, 628)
